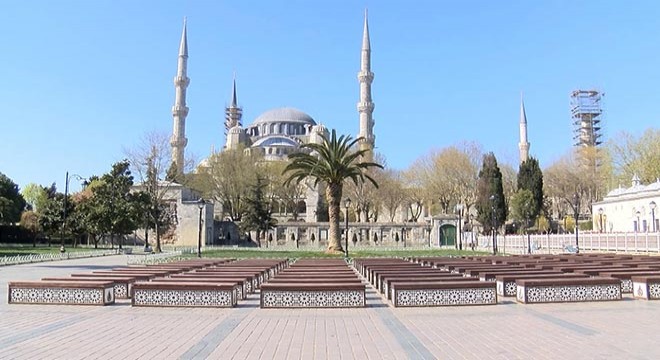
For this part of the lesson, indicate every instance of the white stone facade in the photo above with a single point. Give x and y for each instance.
(632, 209)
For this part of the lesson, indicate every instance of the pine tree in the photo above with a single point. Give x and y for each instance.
(257, 215)
(490, 195)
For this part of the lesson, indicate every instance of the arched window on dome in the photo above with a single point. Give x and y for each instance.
(270, 151)
(282, 129)
(273, 128)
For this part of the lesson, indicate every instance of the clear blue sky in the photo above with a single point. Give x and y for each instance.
(82, 80)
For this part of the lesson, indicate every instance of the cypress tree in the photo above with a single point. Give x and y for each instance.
(490, 194)
(530, 177)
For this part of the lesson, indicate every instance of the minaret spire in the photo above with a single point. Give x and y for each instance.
(523, 145)
(365, 105)
(180, 110)
(233, 115)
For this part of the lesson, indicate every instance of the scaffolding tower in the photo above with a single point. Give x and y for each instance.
(586, 112)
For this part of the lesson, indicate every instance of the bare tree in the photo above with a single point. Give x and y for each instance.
(227, 177)
(633, 155)
(150, 160)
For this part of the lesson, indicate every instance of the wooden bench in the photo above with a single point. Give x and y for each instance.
(62, 292)
(492, 275)
(506, 283)
(240, 290)
(184, 294)
(646, 287)
(383, 278)
(626, 277)
(122, 285)
(313, 295)
(387, 282)
(245, 280)
(446, 293)
(567, 290)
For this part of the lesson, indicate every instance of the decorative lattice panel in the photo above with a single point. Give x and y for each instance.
(568, 293)
(200, 298)
(61, 296)
(312, 299)
(445, 297)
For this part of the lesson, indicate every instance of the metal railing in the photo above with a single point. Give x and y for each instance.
(33, 258)
(158, 258)
(639, 243)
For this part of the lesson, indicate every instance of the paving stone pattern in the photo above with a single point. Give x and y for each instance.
(620, 329)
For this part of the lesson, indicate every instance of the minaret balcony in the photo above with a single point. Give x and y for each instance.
(365, 106)
(366, 76)
(181, 81)
(178, 110)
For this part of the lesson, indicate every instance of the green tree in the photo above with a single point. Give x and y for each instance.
(530, 177)
(118, 208)
(331, 162)
(491, 205)
(257, 215)
(51, 217)
(12, 203)
(30, 221)
(35, 195)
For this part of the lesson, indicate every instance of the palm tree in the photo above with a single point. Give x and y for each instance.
(331, 162)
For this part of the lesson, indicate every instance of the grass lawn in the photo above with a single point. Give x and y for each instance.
(251, 253)
(40, 249)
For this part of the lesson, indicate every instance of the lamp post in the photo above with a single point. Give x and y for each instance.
(459, 210)
(576, 210)
(492, 208)
(403, 236)
(652, 206)
(600, 219)
(347, 204)
(200, 204)
(64, 214)
(472, 244)
(428, 228)
(638, 227)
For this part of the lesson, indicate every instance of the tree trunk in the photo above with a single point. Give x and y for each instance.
(121, 241)
(333, 196)
(157, 228)
(112, 241)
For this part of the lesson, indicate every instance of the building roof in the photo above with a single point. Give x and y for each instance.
(285, 114)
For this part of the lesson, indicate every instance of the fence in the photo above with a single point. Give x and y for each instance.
(644, 243)
(153, 258)
(33, 258)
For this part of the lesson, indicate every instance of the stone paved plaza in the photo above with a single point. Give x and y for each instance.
(625, 329)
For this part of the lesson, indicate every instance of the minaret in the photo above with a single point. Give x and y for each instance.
(180, 110)
(524, 144)
(366, 106)
(233, 113)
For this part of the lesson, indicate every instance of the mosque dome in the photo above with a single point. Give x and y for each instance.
(285, 115)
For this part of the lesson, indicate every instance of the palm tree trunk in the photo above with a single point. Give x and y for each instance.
(333, 196)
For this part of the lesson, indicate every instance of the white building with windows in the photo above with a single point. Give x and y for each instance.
(633, 209)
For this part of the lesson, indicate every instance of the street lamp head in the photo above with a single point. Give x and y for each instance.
(638, 213)
(601, 211)
(492, 197)
(201, 203)
(652, 205)
(347, 203)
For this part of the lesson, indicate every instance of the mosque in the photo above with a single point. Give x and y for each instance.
(277, 132)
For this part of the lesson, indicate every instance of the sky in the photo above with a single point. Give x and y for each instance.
(82, 81)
